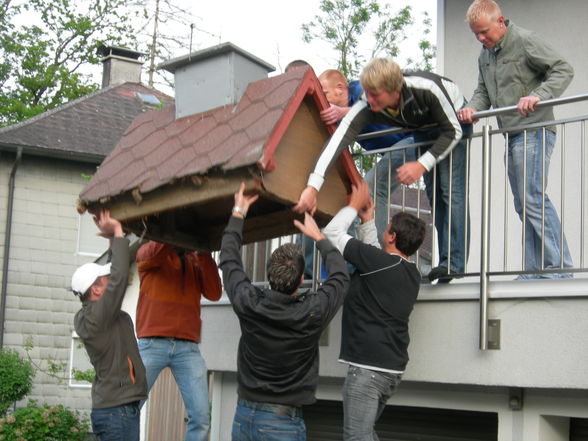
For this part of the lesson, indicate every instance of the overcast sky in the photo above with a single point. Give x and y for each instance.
(271, 29)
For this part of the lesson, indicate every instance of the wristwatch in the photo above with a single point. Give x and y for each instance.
(237, 209)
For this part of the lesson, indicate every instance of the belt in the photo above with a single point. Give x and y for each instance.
(157, 337)
(278, 409)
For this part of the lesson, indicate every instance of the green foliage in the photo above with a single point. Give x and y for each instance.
(41, 58)
(43, 423)
(56, 369)
(428, 50)
(17, 378)
(342, 23)
(87, 375)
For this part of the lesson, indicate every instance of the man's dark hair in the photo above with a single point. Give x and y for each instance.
(285, 267)
(410, 232)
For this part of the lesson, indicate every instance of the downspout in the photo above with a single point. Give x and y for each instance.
(7, 235)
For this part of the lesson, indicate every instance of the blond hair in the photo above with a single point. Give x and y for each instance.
(333, 76)
(482, 8)
(382, 73)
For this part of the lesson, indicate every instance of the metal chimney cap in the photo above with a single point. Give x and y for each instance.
(176, 63)
(118, 51)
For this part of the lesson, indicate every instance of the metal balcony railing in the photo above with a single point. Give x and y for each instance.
(497, 232)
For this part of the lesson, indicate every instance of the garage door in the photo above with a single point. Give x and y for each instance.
(324, 422)
(578, 429)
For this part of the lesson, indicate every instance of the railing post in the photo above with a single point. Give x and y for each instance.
(485, 237)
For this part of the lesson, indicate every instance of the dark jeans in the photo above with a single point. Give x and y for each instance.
(119, 423)
(267, 422)
(452, 216)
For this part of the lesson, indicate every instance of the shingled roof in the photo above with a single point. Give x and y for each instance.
(161, 161)
(87, 128)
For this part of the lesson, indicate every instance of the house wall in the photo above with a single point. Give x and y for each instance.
(42, 260)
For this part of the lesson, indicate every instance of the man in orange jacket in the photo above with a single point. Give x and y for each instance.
(168, 323)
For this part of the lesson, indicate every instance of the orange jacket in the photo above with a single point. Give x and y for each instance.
(169, 301)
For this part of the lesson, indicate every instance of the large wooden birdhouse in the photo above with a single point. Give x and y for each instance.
(173, 174)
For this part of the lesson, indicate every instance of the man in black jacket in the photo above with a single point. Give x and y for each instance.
(277, 362)
(107, 333)
(384, 288)
(416, 100)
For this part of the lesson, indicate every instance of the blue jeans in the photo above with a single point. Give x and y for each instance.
(437, 185)
(119, 423)
(365, 393)
(385, 172)
(533, 191)
(189, 370)
(265, 424)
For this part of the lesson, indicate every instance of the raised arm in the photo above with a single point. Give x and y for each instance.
(235, 280)
(359, 115)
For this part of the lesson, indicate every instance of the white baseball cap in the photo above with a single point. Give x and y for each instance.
(86, 275)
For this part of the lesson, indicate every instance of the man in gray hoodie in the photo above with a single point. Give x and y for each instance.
(107, 333)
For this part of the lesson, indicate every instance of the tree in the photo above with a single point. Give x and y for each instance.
(342, 22)
(42, 56)
(428, 50)
(345, 24)
(168, 29)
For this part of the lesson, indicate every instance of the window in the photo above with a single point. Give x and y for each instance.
(89, 243)
(79, 360)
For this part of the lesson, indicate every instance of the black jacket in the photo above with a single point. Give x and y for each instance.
(279, 347)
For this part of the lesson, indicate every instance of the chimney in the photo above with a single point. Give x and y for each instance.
(120, 65)
(213, 77)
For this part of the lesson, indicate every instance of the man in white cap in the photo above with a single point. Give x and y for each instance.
(107, 333)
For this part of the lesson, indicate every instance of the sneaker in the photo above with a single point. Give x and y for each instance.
(441, 274)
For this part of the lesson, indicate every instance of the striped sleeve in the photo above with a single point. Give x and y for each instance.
(348, 129)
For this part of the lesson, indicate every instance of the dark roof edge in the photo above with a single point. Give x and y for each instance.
(90, 158)
(175, 63)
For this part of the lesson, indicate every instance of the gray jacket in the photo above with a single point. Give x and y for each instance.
(107, 333)
(521, 64)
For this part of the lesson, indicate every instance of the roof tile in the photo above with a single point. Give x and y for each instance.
(162, 153)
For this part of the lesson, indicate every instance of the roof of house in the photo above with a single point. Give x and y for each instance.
(87, 128)
(157, 149)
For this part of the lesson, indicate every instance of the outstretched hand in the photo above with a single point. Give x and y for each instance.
(108, 226)
(243, 201)
(307, 201)
(361, 201)
(309, 227)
